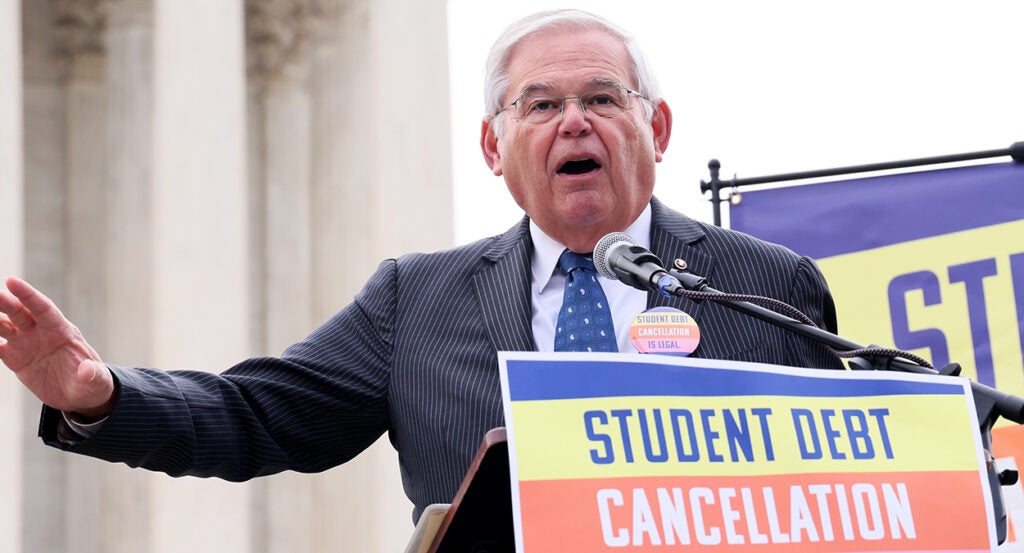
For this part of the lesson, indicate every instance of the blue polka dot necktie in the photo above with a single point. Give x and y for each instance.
(585, 320)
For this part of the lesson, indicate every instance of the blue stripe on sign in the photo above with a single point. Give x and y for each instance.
(548, 379)
(835, 218)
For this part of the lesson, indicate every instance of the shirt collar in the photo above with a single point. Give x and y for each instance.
(547, 250)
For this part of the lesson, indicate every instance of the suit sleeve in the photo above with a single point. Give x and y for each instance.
(810, 294)
(318, 405)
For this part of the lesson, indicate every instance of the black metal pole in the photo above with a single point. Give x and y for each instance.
(715, 185)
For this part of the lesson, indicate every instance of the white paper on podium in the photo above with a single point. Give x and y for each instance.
(426, 528)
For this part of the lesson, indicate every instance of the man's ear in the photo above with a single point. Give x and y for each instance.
(489, 146)
(661, 125)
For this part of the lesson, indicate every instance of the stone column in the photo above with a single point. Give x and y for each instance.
(280, 120)
(380, 182)
(11, 231)
(129, 155)
(412, 200)
(355, 501)
(80, 28)
(280, 116)
(124, 526)
(199, 253)
(344, 163)
(45, 252)
(11, 206)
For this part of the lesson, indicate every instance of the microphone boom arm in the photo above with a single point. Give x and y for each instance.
(991, 403)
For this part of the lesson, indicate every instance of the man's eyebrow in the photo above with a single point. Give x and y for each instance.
(548, 87)
(604, 81)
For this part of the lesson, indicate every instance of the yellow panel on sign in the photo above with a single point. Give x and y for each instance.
(965, 277)
(658, 436)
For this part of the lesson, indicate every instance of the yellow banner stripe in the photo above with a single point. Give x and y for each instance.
(862, 298)
(741, 435)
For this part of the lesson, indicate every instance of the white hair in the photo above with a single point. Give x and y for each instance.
(496, 80)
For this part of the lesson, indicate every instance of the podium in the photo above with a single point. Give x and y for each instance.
(480, 518)
(612, 450)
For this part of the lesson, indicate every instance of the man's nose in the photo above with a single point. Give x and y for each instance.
(574, 120)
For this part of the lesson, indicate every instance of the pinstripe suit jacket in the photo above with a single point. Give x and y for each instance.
(414, 356)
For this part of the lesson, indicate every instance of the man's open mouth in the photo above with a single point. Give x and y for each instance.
(579, 167)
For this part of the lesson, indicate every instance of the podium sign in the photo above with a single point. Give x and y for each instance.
(613, 452)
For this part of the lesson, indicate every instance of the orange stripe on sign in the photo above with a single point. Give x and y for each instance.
(922, 511)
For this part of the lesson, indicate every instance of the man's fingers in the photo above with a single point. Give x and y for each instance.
(13, 311)
(7, 328)
(36, 307)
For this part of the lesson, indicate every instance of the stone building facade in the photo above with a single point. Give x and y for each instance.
(195, 182)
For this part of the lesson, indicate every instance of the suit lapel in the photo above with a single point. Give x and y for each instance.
(675, 236)
(503, 290)
(503, 285)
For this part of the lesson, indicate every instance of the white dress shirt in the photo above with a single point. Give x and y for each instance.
(547, 286)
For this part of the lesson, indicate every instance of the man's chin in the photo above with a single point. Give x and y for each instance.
(586, 210)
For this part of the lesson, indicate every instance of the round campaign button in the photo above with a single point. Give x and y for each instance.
(664, 330)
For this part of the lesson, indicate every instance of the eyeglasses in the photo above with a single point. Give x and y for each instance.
(536, 109)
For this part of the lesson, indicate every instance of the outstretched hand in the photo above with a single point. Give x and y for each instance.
(49, 354)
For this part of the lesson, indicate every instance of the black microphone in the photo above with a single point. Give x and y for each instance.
(618, 257)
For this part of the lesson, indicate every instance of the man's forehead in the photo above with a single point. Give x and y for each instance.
(572, 42)
(553, 60)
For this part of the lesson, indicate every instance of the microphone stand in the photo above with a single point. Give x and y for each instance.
(989, 403)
